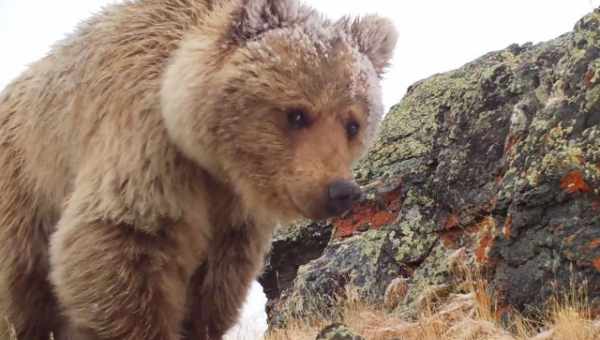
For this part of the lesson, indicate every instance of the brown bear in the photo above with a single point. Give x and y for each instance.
(146, 160)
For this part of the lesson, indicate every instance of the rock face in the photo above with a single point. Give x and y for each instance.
(501, 157)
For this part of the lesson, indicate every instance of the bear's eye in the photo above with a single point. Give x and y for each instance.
(352, 129)
(297, 119)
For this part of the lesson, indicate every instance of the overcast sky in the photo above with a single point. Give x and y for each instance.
(435, 36)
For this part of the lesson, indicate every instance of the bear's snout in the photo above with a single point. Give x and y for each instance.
(341, 196)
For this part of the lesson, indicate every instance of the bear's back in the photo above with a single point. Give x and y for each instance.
(95, 95)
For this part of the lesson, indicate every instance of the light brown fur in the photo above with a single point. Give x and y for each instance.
(145, 162)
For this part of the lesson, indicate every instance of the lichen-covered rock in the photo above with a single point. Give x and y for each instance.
(376, 243)
(515, 168)
(337, 331)
(292, 246)
(362, 263)
(500, 157)
(548, 198)
(516, 162)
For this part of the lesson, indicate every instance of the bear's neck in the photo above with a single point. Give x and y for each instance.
(228, 213)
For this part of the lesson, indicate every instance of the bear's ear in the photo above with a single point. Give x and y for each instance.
(258, 16)
(374, 36)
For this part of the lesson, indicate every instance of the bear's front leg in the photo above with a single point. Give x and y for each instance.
(116, 282)
(219, 288)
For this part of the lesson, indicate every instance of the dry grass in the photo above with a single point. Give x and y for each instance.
(472, 315)
(570, 317)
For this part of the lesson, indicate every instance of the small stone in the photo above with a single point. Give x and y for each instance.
(338, 331)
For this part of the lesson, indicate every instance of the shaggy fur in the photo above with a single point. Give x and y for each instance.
(146, 160)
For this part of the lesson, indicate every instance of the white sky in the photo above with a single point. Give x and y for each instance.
(435, 36)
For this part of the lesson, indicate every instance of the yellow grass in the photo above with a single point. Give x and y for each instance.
(471, 315)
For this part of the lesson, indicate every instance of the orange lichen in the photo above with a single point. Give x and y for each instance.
(588, 78)
(370, 215)
(381, 218)
(452, 236)
(573, 183)
(594, 244)
(452, 222)
(487, 229)
(450, 239)
(510, 143)
(488, 223)
(359, 217)
(507, 229)
(596, 264)
(482, 249)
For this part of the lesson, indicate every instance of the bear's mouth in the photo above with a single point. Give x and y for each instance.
(303, 210)
(296, 206)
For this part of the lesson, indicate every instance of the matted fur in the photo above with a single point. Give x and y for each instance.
(145, 162)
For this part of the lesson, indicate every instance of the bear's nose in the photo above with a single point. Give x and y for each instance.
(342, 195)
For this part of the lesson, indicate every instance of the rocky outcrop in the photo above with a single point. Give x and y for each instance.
(500, 157)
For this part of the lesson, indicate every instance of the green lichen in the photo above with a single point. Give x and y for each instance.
(592, 99)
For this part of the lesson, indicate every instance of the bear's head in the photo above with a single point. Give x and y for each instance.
(278, 102)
